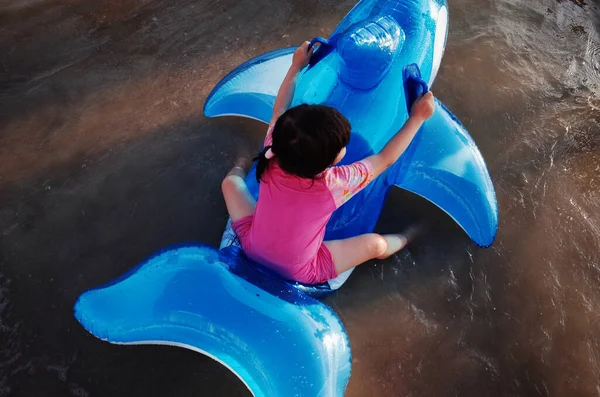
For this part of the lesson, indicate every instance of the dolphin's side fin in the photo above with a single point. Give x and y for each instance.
(279, 341)
(444, 165)
(250, 90)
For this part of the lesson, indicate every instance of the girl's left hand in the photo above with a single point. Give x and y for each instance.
(423, 107)
(302, 56)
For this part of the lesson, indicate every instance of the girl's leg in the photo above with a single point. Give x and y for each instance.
(238, 199)
(354, 251)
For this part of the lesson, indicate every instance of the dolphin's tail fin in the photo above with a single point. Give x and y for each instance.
(250, 90)
(278, 340)
(444, 165)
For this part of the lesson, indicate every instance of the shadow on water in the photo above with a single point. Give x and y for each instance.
(105, 158)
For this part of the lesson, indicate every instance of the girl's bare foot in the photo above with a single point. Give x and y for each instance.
(397, 242)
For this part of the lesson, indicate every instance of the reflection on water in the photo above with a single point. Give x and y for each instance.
(104, 157)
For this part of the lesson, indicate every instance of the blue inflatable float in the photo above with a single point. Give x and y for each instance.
(274, 334)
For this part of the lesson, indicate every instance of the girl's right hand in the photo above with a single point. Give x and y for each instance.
(302, 56)
(423, 107)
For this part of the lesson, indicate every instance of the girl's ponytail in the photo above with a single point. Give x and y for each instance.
(262, 162)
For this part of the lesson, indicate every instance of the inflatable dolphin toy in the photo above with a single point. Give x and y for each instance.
(279, 340)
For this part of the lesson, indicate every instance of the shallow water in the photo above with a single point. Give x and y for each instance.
(105, 157)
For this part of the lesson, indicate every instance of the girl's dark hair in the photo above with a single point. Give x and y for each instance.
(306, 140)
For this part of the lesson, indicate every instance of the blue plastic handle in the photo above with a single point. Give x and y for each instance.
(414, 85)
(423, 84)
(324, 49)
(320, 40)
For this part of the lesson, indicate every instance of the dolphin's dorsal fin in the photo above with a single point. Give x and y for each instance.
(444, 165)
(250, 90)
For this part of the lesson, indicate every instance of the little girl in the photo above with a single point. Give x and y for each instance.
(301, 188)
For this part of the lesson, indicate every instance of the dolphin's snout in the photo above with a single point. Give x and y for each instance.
(367, 51)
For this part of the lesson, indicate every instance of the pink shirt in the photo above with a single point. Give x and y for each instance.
(289, 222)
